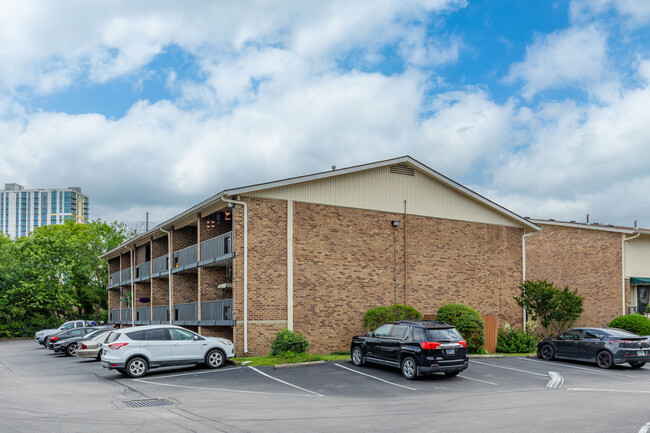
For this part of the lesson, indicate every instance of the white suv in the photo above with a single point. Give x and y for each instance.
(133, 351)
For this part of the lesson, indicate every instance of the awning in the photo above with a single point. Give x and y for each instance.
(639, 280)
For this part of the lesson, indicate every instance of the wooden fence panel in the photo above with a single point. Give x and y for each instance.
(491, 332)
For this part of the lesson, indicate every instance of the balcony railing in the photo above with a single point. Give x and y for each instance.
(114, 280)
(126, 316)
(216, 313)
(125, 275)
(216, 249)
(114, 316)
(186, 314)
(160, 266)
(160, 314)
(186, 258)
(142, 271)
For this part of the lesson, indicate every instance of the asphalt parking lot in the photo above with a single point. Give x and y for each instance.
(46, 392)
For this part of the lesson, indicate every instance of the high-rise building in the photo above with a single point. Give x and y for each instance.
(22, 210)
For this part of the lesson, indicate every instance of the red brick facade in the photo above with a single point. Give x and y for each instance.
(583, 259)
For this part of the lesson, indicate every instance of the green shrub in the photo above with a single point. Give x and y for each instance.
(469, 323)
(288, 341)
(637, 323)
(377, 316)
(512, 341)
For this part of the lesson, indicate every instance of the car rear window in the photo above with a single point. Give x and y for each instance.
(444, 334)
(620, 333)
(114, 336)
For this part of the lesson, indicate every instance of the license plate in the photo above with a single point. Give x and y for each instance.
(450, 351)
(640, 353)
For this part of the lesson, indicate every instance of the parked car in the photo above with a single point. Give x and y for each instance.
(134, 351)
(69, 345)
(92, 347)
(604, 346)
(41, 337)
(63, 335)
(416, 347)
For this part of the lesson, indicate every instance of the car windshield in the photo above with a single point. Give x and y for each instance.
(94, 334)
(445, 334)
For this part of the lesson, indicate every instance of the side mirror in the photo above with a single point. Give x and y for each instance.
(196, 338)
(371, 334)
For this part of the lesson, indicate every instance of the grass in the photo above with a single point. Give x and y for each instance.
(257, 361)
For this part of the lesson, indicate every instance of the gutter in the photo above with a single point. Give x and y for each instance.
(232, 203)
(523, 269)
(623, 240)
(132, 250)
(169, 272)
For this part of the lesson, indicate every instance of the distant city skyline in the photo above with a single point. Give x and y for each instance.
(154, 106)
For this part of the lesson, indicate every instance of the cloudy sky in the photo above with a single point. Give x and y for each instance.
(542, 106)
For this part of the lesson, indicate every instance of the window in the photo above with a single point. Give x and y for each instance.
(399, 331)
(155, 334)
(572, 335)
(137, 336)
(383, 330)
(181, 334)
(68, 326)
(593, 335)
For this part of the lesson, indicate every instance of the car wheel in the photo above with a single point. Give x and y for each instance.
(45, 342)
(547, 352)
(637, 364)
(409, 369)
(215, 359)
(71, 350)
(99, 356)
(451, 373)
(357, 356)
(604, 359)
(136, 367)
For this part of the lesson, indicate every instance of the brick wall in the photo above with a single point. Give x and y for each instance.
(113, 299)
(210, 278)
(210, 228)
(141, 290)
(159, 247)
(583, 259)
(159, 292)
(344, 264)
(216, 331)
(184, 237)
(114, 265)
(185, 288)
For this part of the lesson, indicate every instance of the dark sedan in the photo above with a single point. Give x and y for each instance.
(76, 332)
(604, 346)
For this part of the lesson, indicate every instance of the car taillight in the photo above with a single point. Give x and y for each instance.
(462, 343)
(116, 346)
(430, 345)
(83, 346)
(54, 338)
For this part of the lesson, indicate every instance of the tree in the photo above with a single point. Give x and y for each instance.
(54, 274)
(556, 309)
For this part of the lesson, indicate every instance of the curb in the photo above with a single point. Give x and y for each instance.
(298, 364)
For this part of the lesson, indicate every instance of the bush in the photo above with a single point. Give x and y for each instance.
(637, 323)
(377, 316)
(468, 322)
(288, 341)
(512, 341)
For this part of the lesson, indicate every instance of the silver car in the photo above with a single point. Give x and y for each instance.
(133, 351)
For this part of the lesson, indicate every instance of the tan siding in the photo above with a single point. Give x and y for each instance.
(637, 257)
(379, 190)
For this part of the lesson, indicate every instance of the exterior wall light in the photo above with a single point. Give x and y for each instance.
(394, 223)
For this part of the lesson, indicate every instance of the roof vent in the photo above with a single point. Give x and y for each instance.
(402, 169)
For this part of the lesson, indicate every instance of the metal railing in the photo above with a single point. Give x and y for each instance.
(186, 258)
(159, 266)
(114, 316)
(125, 275)
(216, 312)
(114, 279)
(638, 310)
(143, 315)
(217, 248)
(160, 314)
(186, 314)
(126, 316)
(142, 271)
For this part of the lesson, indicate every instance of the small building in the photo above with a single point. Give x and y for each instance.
(609, 265)
(23, 210)
(314, 253)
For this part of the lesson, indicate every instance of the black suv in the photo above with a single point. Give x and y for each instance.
(416, 347)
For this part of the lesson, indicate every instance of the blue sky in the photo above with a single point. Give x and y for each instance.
(154, 106)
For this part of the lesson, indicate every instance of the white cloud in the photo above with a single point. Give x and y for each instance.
(635, 12)
(576, 56)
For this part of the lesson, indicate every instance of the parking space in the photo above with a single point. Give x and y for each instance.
(492, 395)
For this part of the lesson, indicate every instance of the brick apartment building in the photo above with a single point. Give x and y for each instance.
(610, 266)
(313, 253)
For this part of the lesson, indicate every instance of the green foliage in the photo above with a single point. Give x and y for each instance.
(377, 316)
(290, 357)
(556, 309)
(287, 341)
(54, 274)
(513, 341)
(637, 323)
(469, 323)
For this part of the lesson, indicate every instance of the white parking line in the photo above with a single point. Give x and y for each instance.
(593, 370)
(478, 380)
(374, 377)
(286, 383)
(629, 391)
(556, 380)
(194, 372)
(220, 389)
(508, 368)
(645, 428)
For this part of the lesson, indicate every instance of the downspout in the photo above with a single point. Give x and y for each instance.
(131, 250)
(169, 273)
(523, 269)
(624, 239)
(234, 202)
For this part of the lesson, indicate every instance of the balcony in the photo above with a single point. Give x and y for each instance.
(125, 277)
(216, 249)
(213, 313)
(113, 280)
(160, 266)
(185, 259)
(142, 271)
